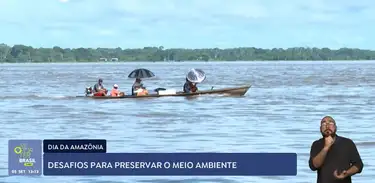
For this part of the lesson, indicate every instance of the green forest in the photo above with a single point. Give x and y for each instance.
(22, 53)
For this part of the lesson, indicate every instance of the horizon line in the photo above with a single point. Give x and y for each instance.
(202, 48)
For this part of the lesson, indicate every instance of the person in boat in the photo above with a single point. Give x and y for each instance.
(115, 92)
(137, 84)
(139, 90)
(99, 89)
(190, 87)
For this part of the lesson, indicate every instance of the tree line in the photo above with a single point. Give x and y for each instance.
(22, 53)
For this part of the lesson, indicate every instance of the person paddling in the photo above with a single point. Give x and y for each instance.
(190, 87)
(99, 89)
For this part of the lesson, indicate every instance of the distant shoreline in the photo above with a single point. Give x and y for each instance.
(28, 54)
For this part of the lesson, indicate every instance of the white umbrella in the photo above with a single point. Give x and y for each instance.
(196, 76)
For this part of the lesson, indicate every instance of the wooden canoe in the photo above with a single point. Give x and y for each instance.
(234, 91)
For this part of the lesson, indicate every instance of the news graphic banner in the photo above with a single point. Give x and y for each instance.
(74, 146)
(25, 157)
(66, 157)
(170, 164)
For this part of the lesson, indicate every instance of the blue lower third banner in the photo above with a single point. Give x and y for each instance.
(25, 157)
(171, 164)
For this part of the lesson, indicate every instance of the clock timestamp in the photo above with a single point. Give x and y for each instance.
(25, 172)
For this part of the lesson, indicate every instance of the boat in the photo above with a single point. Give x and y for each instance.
(234, 91)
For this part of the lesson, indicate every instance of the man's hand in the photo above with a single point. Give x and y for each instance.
(342, 175)
(328, 141)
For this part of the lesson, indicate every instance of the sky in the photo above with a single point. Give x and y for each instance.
(189, 23)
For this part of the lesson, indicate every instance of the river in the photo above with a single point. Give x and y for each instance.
(280, 113)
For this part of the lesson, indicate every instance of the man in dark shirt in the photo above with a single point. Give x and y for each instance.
(336, 158)
(99, 89)
(98, 86)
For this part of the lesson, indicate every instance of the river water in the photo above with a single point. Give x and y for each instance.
(280, 113)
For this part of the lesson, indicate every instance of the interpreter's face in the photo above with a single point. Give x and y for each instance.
(328, 127)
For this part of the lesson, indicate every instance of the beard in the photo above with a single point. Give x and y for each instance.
(328, 132)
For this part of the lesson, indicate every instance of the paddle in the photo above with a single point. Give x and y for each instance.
(159, 89)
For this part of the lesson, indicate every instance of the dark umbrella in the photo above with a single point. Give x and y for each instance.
(141, 73)
(196, 75)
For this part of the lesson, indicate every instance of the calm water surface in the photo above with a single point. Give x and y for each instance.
(280, 113)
